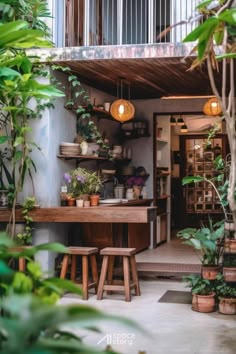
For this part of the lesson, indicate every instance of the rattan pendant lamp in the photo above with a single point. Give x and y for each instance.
(212, 107)
(121, 109)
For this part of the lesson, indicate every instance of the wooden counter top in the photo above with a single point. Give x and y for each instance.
(104, 214)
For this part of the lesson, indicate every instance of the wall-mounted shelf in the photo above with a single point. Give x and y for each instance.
(163, 141)
(82, 157)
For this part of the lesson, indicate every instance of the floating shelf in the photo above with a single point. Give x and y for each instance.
(163, 141)
(82, 157)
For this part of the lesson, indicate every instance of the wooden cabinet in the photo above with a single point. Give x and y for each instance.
(201, 197)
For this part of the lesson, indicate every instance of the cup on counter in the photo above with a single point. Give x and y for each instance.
(107, 106)
(119, 191)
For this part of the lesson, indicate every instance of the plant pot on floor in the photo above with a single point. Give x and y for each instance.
(229, 274)
(210, 272)
(94, 199)
(227, 306)
(203, 303)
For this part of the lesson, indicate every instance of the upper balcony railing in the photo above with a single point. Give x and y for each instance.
(117, 22)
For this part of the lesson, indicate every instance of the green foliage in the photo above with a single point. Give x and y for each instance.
(31, 320)
(218, 19)
(206, 240)
(26, 237)
(224, 290)
(32, 11)
(198, 285)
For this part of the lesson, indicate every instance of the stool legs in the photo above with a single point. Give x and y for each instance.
(135, 275)
(73, 268)
(85, 277)
(126, 278)
(110, 272)
(94, 271)
(64, 266)
(22, 264)
(102, 277)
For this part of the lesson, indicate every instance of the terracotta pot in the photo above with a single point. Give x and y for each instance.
(94, 199)
(71, 202)
(203, 303)
(210, 272)
(227, 306)
(230, 246)
(229, 273)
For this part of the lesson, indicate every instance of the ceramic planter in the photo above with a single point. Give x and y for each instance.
(229, 274)
(227, 306)
(203, 303)
(210, 272)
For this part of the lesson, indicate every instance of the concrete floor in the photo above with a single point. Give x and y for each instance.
(172, 328)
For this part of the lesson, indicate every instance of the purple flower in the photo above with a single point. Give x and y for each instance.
(67, 177)
(81, 179)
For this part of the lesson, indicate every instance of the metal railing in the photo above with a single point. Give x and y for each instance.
(112, 22)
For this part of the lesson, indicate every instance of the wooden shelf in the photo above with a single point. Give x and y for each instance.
(82, 157)
(164, 196)
(164, 141)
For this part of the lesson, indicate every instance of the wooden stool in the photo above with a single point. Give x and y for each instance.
(128, 255)
(85, 252)
(21, 260)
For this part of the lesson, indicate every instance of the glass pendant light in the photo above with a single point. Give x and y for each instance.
(184, 128)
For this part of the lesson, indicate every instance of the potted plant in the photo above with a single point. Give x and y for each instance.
(81, 183)
(94, 186)
(203, 294)
(226, 295)
(229, 267)
(207, 240)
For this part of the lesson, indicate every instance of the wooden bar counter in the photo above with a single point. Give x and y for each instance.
(118, 213)
(124, 224)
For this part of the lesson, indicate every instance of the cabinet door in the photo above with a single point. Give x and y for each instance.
(139, 236)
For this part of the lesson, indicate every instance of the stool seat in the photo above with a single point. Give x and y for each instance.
(116, 251)
(106, 276)
(87, 253)
(83, 251)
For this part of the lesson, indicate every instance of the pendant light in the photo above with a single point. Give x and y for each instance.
(172, 121)
(212, 107)
(180, 121)
(121, 109)
(184, 128)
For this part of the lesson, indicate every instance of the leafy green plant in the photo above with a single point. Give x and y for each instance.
(25, 238)
(198, 285)
(31, 320)
(214, 43)
(224, 290)
(206, 240)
